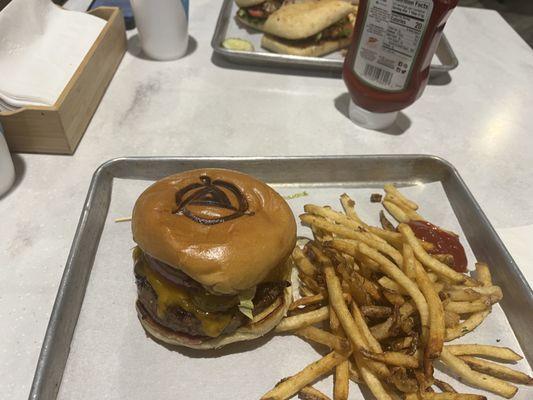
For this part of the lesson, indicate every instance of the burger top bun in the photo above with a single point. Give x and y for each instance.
(225, 229)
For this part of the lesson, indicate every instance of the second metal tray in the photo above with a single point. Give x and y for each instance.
(360, 171)
(227, 25)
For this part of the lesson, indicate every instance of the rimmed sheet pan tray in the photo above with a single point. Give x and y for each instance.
(227, 26)
(309, 172)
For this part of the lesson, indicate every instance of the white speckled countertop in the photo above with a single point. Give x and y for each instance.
(480, 121)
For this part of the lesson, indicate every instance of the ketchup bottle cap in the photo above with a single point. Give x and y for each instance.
(371, 120)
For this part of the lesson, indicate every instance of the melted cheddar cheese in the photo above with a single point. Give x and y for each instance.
(169, 295)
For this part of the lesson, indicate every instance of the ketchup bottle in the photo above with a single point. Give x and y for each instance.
(387, 65)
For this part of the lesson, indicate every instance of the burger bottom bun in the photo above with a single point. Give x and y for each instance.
(246, 332)
(255, 25)
(311, 50)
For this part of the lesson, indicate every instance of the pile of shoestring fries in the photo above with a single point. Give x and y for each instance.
(387, 309)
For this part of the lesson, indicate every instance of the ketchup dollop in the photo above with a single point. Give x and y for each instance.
(444, 242)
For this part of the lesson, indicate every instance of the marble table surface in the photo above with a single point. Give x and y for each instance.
(479, 118)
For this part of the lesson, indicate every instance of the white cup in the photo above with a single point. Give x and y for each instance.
(7, 170)
(162, 27)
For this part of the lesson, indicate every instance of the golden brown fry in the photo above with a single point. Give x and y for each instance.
(394, 298)
(309, 374)
(304, 301)
(445, 258)
(392, 358)
(490, 291)
(401, 343)
(310, 393)
(398, 213)
(445, 387)
(402, 381)
(483, 274)
(334, 342)
(466, 294)
(373, 344)
(497, 370)
(466, 326)
(303, 320)
(348, 206)
(349, 233)
(391, 190)
(389, 284)
(426, 259)
(305, 292)
(411, 214)
(355, 374)
(384, 330)
(395, 273)
(435, 336)
(408, 265)
(376, 312)
(303, 264)
(477, 379)
(370, 379)
(341, 381)
(445, 396)
(451, 319)
(313, 299)
(320, 235)
(368, 286)
(385, 223)
(310, 283)
(466, 307)
(484, 350)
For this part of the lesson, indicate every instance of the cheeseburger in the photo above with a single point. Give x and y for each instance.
(211, 262)
(255, 12)
(312, 28)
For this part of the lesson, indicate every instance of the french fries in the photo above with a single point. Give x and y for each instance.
(295, 383)
(497, 370)
(484, 350)
(310, 393)
(334, 342)
(391, 306)
(477, 379)
(302, 320)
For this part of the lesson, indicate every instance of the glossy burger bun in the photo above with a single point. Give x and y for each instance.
(227, 257)
(250, 331)
(308, 50)
(303, 20)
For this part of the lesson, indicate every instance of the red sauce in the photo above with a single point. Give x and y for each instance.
(393, 39)
(444, 242)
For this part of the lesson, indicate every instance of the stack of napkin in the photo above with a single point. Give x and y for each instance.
(41, 46)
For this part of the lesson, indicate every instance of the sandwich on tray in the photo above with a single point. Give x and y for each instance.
(312, 28)
(211, 262)
(255, 12)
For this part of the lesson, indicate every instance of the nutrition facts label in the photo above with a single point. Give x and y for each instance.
(391, 36)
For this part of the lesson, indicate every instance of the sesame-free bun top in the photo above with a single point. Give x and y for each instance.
(302, 20)
(225, 229)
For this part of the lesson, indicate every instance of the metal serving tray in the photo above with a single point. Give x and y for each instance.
(227, 26)
(354, 171)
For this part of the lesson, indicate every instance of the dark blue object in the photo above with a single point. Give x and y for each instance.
(124, 6)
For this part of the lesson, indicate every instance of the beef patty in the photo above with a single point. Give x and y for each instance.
(182, 321)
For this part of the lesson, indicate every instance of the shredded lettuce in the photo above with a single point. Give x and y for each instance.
(246, 305)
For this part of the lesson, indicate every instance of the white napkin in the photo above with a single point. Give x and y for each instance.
(518, 242)
(41, 46)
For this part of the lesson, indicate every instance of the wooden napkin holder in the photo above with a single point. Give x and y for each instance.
(58, 129)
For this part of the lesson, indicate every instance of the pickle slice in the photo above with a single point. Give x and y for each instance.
(237, 44)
